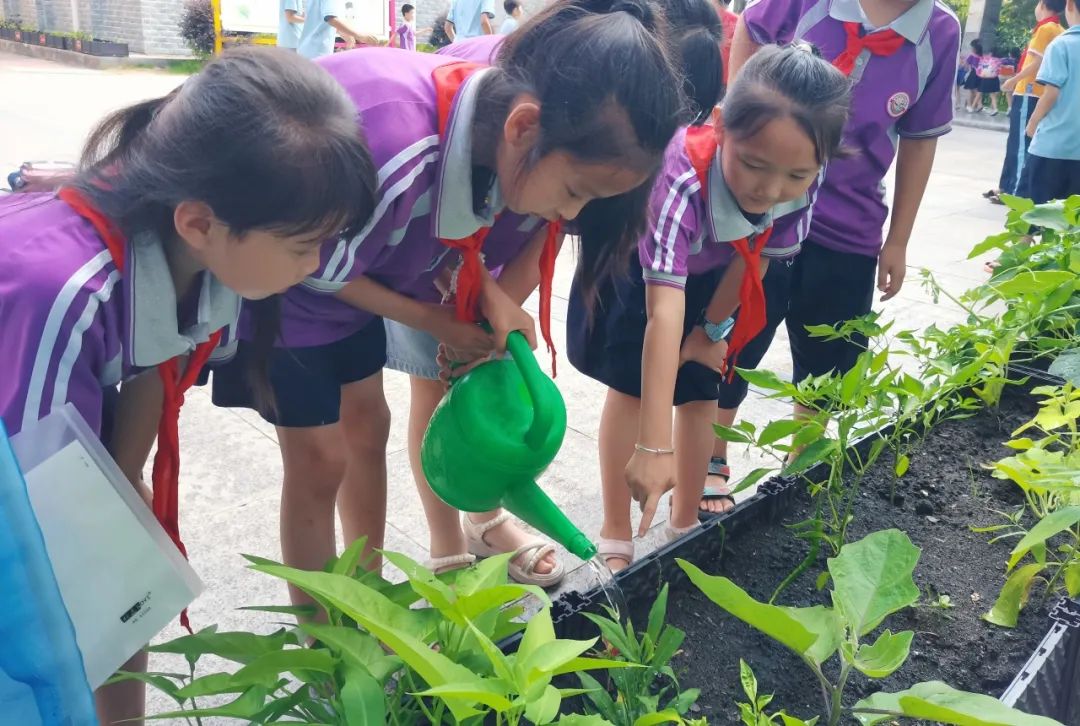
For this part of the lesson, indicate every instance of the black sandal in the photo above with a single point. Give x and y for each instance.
(718, 466)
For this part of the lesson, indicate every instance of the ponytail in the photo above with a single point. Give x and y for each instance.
(696, 34)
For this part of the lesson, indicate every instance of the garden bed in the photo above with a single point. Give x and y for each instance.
(945, 493)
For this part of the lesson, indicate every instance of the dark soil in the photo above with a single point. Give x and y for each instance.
(945, 492)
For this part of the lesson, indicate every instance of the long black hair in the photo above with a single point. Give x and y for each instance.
(267, 139)
(790, 81)
(608, 92)
(696, 34)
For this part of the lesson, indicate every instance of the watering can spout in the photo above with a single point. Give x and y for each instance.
(528, 502)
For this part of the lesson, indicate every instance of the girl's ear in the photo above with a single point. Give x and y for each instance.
(193, 222)
(522, 126)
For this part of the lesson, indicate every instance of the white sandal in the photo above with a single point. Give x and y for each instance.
(673, 533)
(616, 549)
(449, 563)
(527, 574)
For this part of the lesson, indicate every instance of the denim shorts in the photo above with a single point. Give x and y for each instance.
(411, 351)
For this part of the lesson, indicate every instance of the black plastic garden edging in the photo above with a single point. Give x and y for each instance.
(1049, 683)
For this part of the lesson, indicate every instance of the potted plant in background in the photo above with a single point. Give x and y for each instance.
(106, 48)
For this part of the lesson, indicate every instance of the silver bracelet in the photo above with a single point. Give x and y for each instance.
(648, 450)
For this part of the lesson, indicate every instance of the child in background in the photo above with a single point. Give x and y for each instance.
(972, 83)
(989, 85)
(575, 113)
(290, 24)
(185, 204)
(404, 36)
(659, 338)
(696, 35)
(901, 57)
(515, 15)
(1053, 166)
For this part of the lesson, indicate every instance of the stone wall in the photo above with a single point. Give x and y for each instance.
(147, 26)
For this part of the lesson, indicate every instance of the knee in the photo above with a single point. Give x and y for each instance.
(314, 468)
(367, 428)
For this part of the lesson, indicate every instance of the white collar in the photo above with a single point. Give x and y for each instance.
(911, 24)
(454, 217)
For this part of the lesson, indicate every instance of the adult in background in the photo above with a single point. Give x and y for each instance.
(323, 22)
(469, 19)
(1026, 93)
(290, 23)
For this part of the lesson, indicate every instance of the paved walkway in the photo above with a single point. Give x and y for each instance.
(232, 470)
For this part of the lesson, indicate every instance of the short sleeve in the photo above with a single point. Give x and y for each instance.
(488, 7)
(1054, 69)
(674, 225)
(332, 8)
(451, 12)
(1040, 41)
(932, 114)
(771, 21)
(48, 362)
(293, 5)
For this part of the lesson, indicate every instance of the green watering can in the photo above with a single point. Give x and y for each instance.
(496, 430)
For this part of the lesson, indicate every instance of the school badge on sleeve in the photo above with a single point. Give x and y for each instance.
(898, 104)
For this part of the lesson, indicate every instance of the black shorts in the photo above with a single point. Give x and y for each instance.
(609, 349)
(306, 381)
(1049, 179)
(818, 286)
(989, 85)
(972, 81)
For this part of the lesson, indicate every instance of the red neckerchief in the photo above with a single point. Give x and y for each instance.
(166, 477)
(701, 146)
(448, 79)
(884, 42)
(1044, 21)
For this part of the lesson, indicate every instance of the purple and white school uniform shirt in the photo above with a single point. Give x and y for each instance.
(906, 94)
(481, 49)
(690, 229)
(425, 194)
(72, 324)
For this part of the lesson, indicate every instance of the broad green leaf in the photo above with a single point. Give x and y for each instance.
(1072, 580)
(363, 700)
(886, 654)
(731, 435)
(1014, 595)
(872, 578)
(748, 680)
(350, 558)
(651, 719)
(214, 684)
(238, 647)
(751, 479)
(823, 622)
(686, 699)
(492, 692)
(576, 719)
(994, 242)
(550, 657)
(764, 379)
(671, 639)
(245, 707)
(356, 648)
(941, 703)
(301, 662)
(774, 621)
(1017, 204)
(538, 631)
(779, 429)
(1038, 282)
(815, 453)
(614, 635)
(300, 612)
(1067, 365)
(488, 572)
(793, 721)
(1053, 523)
(423, 581)
(492, 598)
(598, 695)
(1051, 216)
(545, 708)
(591, 664)
(159, 681)
(657, 614)
(902, 463)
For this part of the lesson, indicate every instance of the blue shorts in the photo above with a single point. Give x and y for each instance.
(411, 351)
(306, 381)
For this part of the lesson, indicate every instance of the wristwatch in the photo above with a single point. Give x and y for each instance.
(716, 331)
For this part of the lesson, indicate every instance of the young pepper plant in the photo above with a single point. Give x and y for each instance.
(1047, 471)
(872, 579)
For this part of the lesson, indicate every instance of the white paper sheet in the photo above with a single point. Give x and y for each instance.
(120, 585)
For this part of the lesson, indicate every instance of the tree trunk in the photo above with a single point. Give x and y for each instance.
(988, 26)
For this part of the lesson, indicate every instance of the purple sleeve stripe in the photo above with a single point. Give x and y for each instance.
(395, 178)
(56, 334)
(666, 235)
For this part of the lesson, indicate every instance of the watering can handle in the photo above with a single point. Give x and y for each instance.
(535, 383)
